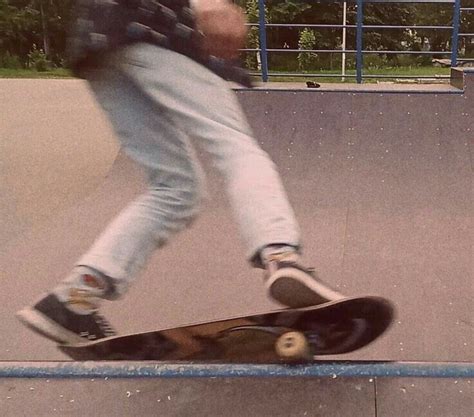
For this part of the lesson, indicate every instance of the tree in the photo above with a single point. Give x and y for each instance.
(306, 60)
(17, 28)
(252, 60)
(24, 23)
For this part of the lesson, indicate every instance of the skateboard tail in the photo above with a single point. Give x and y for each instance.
(369, 319)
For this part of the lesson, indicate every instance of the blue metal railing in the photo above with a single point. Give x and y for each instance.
(262, 31)
(466, 35)
(347, 369)
(359, 40)
(455, 37)
(359, 52)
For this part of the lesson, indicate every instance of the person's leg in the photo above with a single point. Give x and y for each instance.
(175, 188)
(156, 99)
(175, 182)
(207, 110)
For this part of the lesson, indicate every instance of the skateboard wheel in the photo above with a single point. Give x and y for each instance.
(293, 345)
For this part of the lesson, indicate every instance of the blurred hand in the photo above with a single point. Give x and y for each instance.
(223, 26)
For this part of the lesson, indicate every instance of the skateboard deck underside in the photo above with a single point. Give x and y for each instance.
(335, 328)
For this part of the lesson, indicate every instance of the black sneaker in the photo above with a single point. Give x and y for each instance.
(295, 286)
(51, 318)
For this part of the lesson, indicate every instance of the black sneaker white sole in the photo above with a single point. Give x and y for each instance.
(46, 327)
(52, 318)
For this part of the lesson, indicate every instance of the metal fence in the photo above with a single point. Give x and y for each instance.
(359, 52)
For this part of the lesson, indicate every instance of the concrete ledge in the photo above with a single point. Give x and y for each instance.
(457, 78)
(201, 370)
(456, 85)
(356, 88)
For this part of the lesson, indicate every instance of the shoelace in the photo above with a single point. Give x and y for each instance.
(104, 325)
(290, 258)
(274, 264)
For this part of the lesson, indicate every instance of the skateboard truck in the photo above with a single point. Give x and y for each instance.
(290, 345)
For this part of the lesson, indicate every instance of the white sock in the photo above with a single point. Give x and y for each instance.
(273, 251)
(85, 284)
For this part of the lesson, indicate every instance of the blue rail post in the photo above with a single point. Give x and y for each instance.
(262, 32)
(455, 38)
(359, 40)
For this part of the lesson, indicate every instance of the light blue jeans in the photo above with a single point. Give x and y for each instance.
(158, 102)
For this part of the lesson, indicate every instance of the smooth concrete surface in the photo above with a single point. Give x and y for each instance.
(382, 187)
(52, 154)
(211, 397)
(237, 397)
(407, 397)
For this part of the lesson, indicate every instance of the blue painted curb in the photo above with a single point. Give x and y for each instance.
(201, 370)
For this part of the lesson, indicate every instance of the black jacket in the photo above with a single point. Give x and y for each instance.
(101, 26)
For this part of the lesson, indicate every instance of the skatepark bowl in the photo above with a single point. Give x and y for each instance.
(380, 178)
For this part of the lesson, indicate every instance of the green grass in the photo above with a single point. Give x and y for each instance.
(28, 73)
(395, 71)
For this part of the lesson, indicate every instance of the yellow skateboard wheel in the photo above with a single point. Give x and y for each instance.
(293, 346)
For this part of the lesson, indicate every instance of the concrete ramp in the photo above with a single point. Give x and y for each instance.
(51, 156)
(381, 182)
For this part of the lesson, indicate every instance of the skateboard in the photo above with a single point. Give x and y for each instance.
(287, 335)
